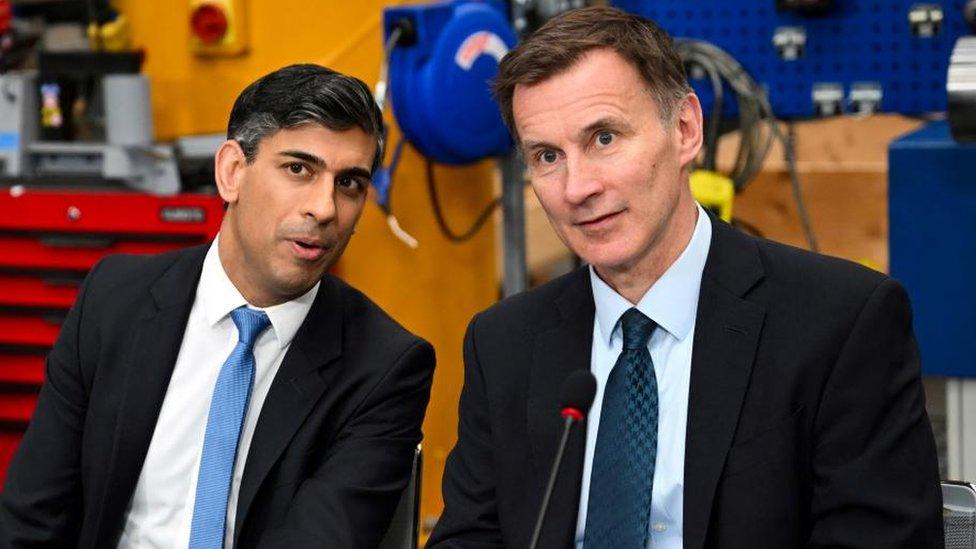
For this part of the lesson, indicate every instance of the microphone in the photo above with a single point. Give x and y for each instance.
(576, 396)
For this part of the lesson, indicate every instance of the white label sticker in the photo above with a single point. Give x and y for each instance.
(478, 44)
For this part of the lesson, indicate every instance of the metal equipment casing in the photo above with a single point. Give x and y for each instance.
(932, 217)
(440, 85)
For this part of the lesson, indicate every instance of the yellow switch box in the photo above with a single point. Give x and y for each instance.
(714, 191)
(218, 27)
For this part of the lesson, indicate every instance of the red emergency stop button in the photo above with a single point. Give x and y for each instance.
(209, 23)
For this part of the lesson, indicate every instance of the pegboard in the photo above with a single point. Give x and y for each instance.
(856, 41)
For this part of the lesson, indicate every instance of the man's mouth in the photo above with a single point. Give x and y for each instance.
(597, 221)
(308, 249)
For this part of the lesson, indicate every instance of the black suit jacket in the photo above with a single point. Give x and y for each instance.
(806, 419)
(333, 445)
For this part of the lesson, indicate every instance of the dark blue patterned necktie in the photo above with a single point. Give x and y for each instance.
(622, 478)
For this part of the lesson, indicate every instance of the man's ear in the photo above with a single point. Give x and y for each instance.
(229, 166)
(689, 126)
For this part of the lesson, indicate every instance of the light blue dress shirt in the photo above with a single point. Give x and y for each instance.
(672, 302)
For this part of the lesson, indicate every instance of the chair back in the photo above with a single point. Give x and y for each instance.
(404, 531)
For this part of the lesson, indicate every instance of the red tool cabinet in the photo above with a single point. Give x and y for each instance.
(49, 239)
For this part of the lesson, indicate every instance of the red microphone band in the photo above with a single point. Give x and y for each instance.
(572, 413)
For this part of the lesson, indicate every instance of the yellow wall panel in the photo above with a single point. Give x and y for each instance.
(193, 93)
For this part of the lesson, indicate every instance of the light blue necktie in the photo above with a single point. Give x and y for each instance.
(230, 397)
(622, 478)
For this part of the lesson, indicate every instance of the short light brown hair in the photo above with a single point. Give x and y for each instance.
(565, 39)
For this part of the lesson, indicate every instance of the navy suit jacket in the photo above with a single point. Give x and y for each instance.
(806, 415)
(333, 445)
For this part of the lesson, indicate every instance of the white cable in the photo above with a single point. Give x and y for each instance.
(398, 231)
(382, 89)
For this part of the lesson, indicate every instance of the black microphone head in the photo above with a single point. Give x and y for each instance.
(578, 391)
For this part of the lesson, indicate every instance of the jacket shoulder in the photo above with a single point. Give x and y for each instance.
(120, 284)
(531, 309)
(810, 293)
(809, 272)
(121, 272)
(370, 319)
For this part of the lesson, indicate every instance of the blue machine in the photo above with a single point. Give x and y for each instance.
(440, 78)
(932, 216)
(854, 50)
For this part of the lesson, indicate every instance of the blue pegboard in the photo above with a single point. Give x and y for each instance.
(856, 41)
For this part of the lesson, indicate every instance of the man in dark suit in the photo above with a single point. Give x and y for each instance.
(749, 394)
(236, 394)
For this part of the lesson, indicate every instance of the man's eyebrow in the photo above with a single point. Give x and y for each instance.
(533, 144)
(307, 157)
(601, 124)
(582, 134)
(357, 171)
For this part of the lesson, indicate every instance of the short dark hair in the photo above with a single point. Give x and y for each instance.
(566, 38)
(303, 94)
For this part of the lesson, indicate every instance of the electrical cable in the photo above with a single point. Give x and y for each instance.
(789, 150)
(757, 124)
(435, 202)
(382, 91)
(750, 98)
(381, 95)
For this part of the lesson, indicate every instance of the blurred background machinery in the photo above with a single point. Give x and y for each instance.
(80, 177)
(826, 57)
(932, 213)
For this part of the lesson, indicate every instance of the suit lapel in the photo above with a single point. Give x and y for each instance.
(561, 349)
(726, 335)
(155, 344)
(296, 389)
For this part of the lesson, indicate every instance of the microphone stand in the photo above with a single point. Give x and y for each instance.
(571, 416)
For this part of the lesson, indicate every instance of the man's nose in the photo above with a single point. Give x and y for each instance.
(320, 202)
(582, 180)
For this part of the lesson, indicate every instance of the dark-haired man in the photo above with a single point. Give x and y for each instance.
(235, 394)
(749, 394)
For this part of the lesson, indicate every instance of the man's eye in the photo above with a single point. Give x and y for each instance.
(548, 157)
(604, 138)
(349, 182)
(296, 168)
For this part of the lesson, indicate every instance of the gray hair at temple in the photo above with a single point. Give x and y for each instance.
(302, 94)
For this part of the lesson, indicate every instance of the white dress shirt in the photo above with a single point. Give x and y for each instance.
(672, 302)
(161, 510)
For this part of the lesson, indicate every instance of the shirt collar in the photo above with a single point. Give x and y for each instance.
(218, 296)
(672, 302)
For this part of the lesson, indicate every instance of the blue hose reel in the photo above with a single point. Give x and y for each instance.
(440, 76)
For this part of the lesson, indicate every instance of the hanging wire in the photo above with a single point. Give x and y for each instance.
(435, 202)
(758, 126)
(789, 150)
(381, 94)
